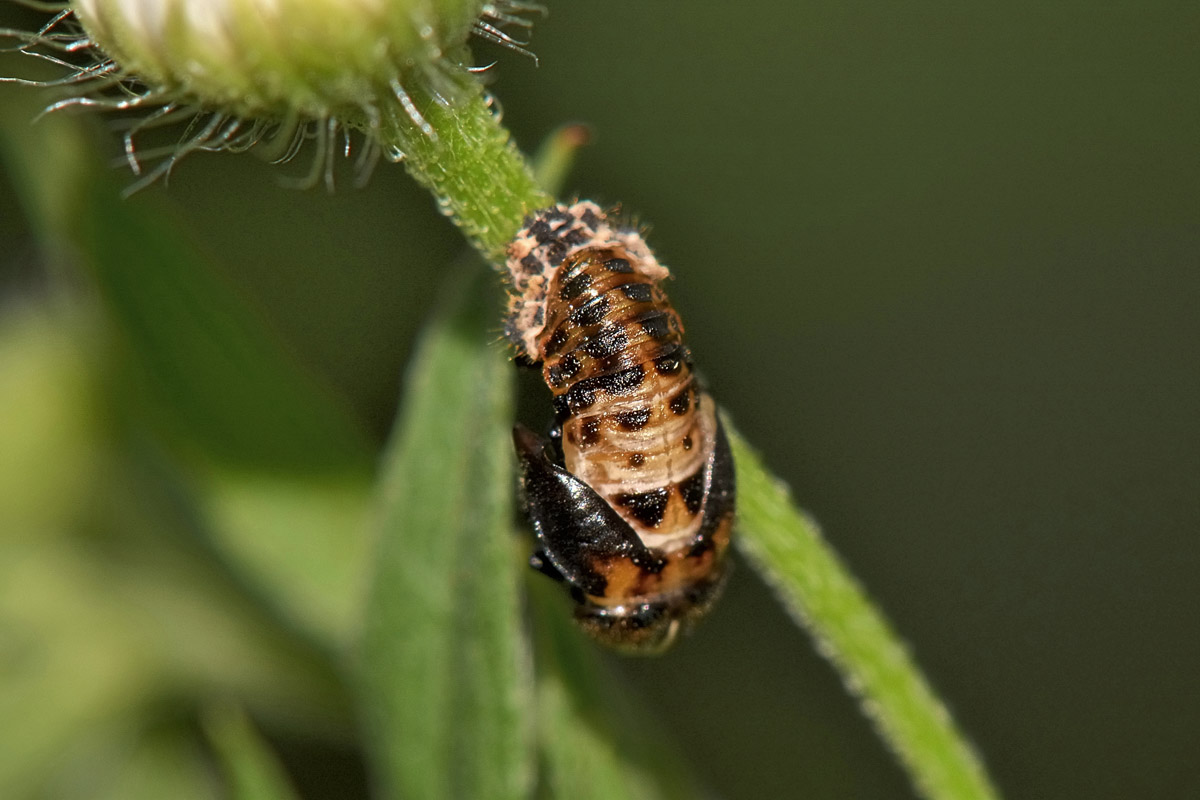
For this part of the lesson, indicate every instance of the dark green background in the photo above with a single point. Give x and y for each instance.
(940, 262)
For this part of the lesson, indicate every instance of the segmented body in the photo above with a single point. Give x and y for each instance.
(635, 505)
(634, 427)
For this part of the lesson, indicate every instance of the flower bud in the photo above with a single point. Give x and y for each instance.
(312, 58)
(284, 71)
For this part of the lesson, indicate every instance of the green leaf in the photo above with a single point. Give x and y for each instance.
(86, 643)
(303, 538)
(210, 367)
(281, 467)
(99, 567)
(252, 772)
(202, 363)
(445, 670)
(47, 161)
(53, 439)
(160, 761)
(283, 464)
(818, 591)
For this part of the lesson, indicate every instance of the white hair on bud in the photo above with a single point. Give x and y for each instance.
(282, 72)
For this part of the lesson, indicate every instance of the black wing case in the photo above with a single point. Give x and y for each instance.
(575, 527)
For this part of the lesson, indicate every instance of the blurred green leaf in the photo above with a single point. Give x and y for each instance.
(252, 772)
(49, 422)
(819, 592)
(68, 661)
(281, 468)
(205, 365)
(47, 159)
(91, 636)
(108, 602)
(213, 370)
(445, 670)
(303, 538)
(286, 487)
(157, 762)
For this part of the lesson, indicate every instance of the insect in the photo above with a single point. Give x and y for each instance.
(632, 495)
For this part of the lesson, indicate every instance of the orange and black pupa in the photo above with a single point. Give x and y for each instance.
(632, 495)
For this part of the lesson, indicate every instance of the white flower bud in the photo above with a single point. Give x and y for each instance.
(313, 58)
(280, 70)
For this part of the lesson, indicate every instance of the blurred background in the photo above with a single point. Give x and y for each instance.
(940, 263)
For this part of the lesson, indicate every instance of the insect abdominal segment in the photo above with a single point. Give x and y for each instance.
(632, 497)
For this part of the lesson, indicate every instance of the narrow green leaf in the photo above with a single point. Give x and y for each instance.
(210, 366)
(303, 538)
(46, 160)
(86, 643)
(48, 421)
(594, 743)
(445, 672)
(108, 603)
(284, 478)
(252, 771)
(787, 548)
(203, 363)
(153, 763)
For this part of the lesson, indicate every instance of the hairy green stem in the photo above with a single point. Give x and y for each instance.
(477, 175)
(787, 548)
(482, 181)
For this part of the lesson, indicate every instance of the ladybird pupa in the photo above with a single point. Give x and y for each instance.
(632, 496)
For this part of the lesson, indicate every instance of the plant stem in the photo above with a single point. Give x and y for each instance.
(477, 175)
(485, 185)
(818, 591)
